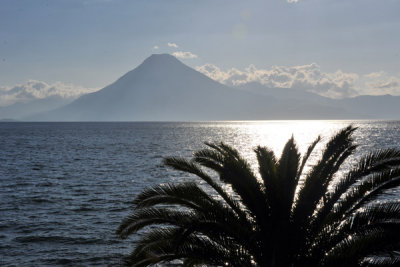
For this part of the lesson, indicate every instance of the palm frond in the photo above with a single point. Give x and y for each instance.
(371, 163)
(384, 217)
(377, 213)
(314, 189)
(142, 218)
(236, 171)
(163, 246)
(318, 178)
(319, 220)
(191, 167)
(288, 166)
(352, 250)
(364, 192)
(268, 171)
(388, 261)
(306, 156)
(209, 158)
(186, 194)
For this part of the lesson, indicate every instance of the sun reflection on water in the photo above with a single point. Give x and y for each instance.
(274, 135)
(245, 136)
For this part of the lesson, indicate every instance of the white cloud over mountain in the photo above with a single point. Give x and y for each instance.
(32, 90)
(308, 78)
(184, 55)
(174, 45)
(381, 83)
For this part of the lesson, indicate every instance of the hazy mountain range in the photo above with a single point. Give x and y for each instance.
(164, 89)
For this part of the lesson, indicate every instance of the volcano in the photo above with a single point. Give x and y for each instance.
(164, 89)
(160, 89)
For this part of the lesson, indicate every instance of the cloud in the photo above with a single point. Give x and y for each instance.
(156, 47)
(374, 74)
(32, 90)
(309, 78)
(381, 83)
(390, 84)
(184, 55)
(174, 45)
(292, 1)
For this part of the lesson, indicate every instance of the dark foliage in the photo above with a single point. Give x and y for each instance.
(282, 217)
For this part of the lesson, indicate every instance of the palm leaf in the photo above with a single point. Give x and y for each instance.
(317, 180)
(186, 194)
(190, 167)
(236, 171)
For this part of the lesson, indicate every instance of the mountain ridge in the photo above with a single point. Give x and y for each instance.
(162, 88)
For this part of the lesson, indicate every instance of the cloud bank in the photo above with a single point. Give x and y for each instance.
(32, 90)
(309, 78)
(184, 55)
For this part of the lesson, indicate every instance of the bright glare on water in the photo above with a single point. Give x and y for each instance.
(66, 186)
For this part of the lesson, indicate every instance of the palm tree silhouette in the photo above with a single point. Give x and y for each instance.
(280, 218)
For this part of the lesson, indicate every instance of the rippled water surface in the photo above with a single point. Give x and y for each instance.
(66, 186)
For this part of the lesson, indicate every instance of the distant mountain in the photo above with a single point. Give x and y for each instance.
(22, 110)
(164, 89)
(8, 120)
(282, 93)
(374, 107)
(360, 107)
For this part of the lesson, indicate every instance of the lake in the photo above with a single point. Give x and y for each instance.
(65, 187)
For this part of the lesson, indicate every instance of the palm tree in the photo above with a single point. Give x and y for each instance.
(280, 218)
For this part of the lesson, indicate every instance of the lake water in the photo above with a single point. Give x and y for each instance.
(65, 187)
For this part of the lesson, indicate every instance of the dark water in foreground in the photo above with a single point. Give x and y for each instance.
(66, 186)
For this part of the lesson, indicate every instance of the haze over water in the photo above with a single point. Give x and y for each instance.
(65, 187)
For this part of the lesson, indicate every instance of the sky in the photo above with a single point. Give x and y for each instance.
(337, 48)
